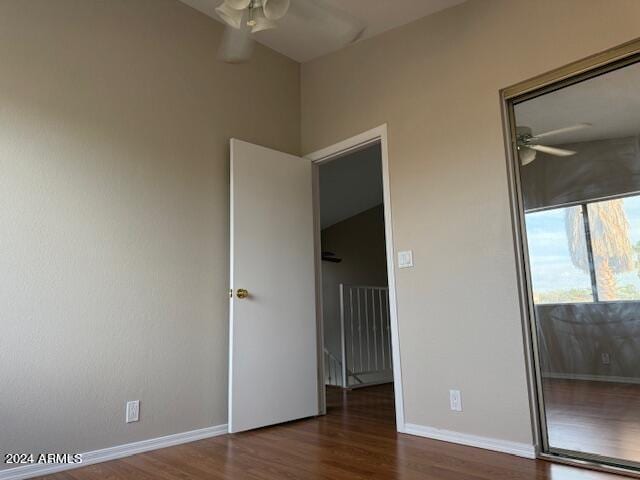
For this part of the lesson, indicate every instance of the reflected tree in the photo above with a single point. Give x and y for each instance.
(611, 245)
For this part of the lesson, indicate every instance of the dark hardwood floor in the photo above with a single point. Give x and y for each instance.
(594, 417)
(355, 440)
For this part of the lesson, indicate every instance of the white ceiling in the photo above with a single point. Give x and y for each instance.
(302, 38)
(610, 102)
(350, 185)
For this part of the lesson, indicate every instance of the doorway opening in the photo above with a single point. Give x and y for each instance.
(276, 335)
(357, 326)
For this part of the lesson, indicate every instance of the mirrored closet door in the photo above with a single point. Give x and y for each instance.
(578, 154)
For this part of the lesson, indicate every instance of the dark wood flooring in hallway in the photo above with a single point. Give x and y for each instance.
(355, 440)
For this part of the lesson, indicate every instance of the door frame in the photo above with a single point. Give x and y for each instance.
(588, 67)
(328, 154)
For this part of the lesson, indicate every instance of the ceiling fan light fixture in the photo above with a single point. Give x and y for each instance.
(526, 155)
(259, 21)
(275, 9)
(230, 15)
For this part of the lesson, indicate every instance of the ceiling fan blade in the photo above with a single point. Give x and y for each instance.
(237, 45)
(324, 16)
(238, 4)
(572, 128)
(558, 152)
(230, 15)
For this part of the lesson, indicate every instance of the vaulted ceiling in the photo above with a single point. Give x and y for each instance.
(350, 185)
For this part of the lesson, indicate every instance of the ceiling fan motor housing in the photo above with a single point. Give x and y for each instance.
(523, 134)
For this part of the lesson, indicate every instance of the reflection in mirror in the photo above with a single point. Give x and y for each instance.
(579, 155)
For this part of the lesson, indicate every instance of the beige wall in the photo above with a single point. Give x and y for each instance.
(115, 119)
(359, 242)
(114, 123)
(436, 82)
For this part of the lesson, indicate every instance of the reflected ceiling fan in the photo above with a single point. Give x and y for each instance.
(528, 145)
(247, 17)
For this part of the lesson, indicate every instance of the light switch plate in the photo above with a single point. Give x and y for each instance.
(405, 259)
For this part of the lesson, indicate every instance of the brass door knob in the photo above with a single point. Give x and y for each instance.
(242, 293)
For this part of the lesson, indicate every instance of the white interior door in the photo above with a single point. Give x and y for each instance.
(273, 362)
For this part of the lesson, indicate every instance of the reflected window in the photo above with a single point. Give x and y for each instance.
(571, 263)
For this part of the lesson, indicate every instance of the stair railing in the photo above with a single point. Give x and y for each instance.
(365, 341)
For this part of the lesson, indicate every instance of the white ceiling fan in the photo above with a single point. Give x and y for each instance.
(244, 18)
(528, 145)
(258, 14)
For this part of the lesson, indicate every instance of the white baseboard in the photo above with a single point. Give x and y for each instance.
(591, 378)
(112, 453)
(514, 448)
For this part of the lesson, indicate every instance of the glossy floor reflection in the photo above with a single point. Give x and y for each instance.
(355, 440)
(594, 417)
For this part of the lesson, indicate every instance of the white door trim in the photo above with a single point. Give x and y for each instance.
(378, 134)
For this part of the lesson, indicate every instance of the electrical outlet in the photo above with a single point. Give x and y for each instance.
(606, 359)
(455, 400)
(133, 411)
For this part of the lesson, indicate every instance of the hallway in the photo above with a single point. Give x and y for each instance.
(355, 440)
